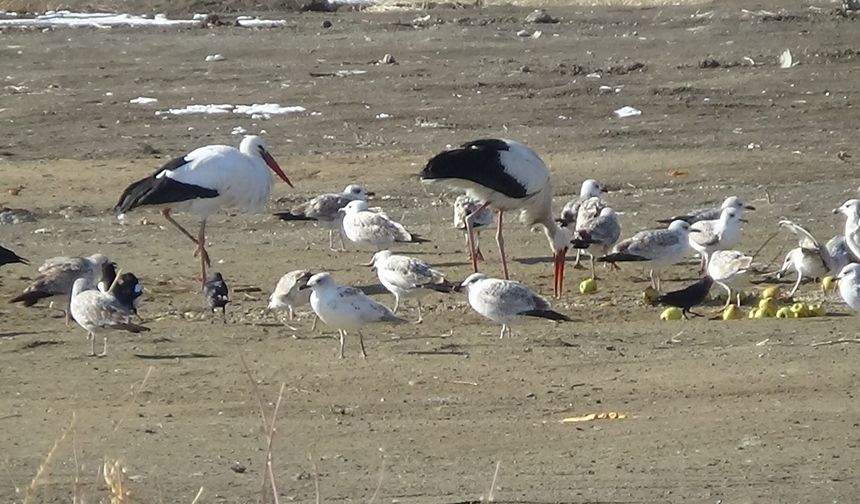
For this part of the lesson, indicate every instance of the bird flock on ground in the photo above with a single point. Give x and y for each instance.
(492, 176)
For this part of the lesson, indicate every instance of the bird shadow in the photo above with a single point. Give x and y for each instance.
(192, 355)
(452, 264)
(12, 334)
(373, 289)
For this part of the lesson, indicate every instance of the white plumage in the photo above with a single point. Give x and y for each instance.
(324, 210)
(346, 308)
(361, 226)
(98, 312)
(465, 205)
(725, 267)
(849, 285)
(408, 277)
(717, 234)
(851, 210)
(288, 293)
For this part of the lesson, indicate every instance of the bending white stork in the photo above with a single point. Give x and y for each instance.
(507, 176)
(204, 181)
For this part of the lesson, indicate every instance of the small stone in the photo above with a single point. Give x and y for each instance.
(326, 24)
(540, 16)
(388, 60)
(16, 216)
(709, 63)
(237, 467)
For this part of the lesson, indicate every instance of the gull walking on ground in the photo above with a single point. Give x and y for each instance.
(851, 210)
(362, 226)
(505, 301)
(725, 267)
(408, 277)
(483, 218)
(324, 210)
(602, 231)
(718, 234)
(346, 308)
(658, 247)
(849, 285)
(712, 213)
(574, 213)
(100, 312)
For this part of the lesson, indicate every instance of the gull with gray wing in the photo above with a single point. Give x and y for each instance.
(100, 312)
(408, 277)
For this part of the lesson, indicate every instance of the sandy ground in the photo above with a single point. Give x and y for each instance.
(743, 412)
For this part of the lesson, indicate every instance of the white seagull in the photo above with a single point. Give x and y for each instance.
(507, 176)
(204, 181)
(98, 312)
(58, 274)
(324, 210)
(408, 277)
(811, 259)
(465, 205)
(712, 213)
(346, 308)
(849, 285)
(725, 267)
(362, 226)
(602, 230)
(851, 210)
(719, 234)
(504, 301)
(659, 247)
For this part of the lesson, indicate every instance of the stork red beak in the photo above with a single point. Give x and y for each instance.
(558, 272)
(275, 168)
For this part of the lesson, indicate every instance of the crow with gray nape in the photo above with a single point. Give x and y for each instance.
(217, 293)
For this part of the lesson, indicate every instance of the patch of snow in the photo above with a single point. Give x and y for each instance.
(382, 115)
(238, 130)
(256, 111)
(627, 111)
(215, 57)
(255, 22)
(97, 19)
(143, 100)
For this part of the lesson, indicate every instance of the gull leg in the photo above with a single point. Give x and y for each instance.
(361, 344)
(290, 310)
(576, 263)
(502, 334)
(470, 236)
(331, 239)
(796, 285)
(396, 303)
(729, 295)
(342, 334)
(501, 243)
(92, 338)
(653, 282)
(593, 273)
(342, 244)
(314, 326)
(104, 348)
(420, 318)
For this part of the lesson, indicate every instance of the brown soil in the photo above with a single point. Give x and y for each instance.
(744, 411)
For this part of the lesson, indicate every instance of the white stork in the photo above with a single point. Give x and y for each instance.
(204, 181)
(507, 176)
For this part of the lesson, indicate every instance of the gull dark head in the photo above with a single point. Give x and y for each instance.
(253, 145)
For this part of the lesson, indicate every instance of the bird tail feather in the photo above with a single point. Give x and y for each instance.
(548, 314)
(30, 298)
(621, 257)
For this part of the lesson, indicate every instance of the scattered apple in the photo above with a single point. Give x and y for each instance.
(732, 312)
(588, 286)
(672, 313)
(784, 312)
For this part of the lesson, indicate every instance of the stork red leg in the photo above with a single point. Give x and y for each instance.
(201, 249)
(501, 243)
(470, 234)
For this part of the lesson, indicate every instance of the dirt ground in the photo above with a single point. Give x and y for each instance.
(745, 411)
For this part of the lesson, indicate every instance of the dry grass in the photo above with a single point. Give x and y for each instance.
(30, 491)
(114, 475)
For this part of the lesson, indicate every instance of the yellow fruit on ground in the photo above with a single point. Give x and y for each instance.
(817, 310)
(754, 313)
(799, 310)
(828, 283)
(770, 292)
(759, 314)
(784, 312)
(732, 312)
(672, 314)
(587, 286)
(768, 304)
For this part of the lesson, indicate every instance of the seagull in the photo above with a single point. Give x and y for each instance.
(849, 285)
(851, 210)
(289, 294)
(324, 210)
(204, 181)
(362, 226)
(726, 266)
(711, 213)
(572, 218)
(688, 297)
(9, 257)
(507, 176)
(463, 206)
(660, 247)
(602, 230)
(346, 308)
(58, 274)
(217, 294)
(504, 301)
(718, 234)
(810, 259)
(406, 276)
(97, 311)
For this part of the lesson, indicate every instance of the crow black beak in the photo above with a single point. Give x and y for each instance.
(303, 287)
(749, 207)
(370, 193)
(458, 287)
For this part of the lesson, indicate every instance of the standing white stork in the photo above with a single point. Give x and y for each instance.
(507, 176)
(204, 181)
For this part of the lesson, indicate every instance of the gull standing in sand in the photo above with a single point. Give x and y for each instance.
(507, 176)
(346, 308)
(725, 267)
(602, 230)
(362, 226)
(505, 301)
(408, 277)
(810, 259)
(659, 247)
(483, 218)
(849, 285)
(58, 274)
(572, 217)
(9, 257)
(98, 312)
(204, 181)
(713, 235)
(851, 210)
(324, 210)
(288, 293)
(713, 213)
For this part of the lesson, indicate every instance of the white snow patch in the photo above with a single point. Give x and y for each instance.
(627, 111)
(238, 130)
(143, 100)
(382, 115)
(256, 111)
(255, 22)
(96, 19)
